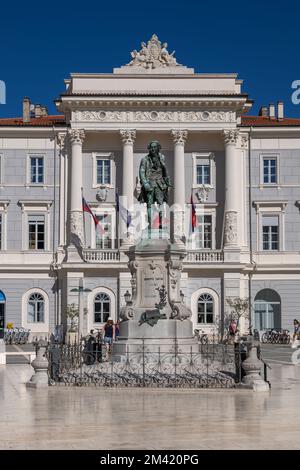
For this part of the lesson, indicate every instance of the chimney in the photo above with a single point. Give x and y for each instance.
(37, 111)
(263, 111)
(26, 109)
(44, 111)
(280, 110)
(272, 111)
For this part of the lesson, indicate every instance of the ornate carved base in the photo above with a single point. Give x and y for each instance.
(230, 229)
(156, 314)
(76, 228)
(155, 264)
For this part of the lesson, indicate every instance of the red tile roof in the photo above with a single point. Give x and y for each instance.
(59, 120)
(44, 121)
(260, 121)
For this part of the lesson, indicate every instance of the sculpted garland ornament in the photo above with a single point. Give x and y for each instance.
(153, 116)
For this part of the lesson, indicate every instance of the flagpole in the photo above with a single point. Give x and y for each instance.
(117, 220)
(83, 218)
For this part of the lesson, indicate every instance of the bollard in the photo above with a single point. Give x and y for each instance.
(40, 364)
(252, 367)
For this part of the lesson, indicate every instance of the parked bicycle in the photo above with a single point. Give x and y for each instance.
(16, 335)
(276, 336)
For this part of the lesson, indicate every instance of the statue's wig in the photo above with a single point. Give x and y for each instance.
(154, 142)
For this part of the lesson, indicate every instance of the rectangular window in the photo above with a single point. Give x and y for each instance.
(36, 232)
(103, 171)
(270, 233)
(37, 170)
(270, 170)
(104, 232)
(204, 232)
(203, 174)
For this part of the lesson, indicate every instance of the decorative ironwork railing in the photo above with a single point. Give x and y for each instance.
(209, 256)
(105, 256)
(90, 363)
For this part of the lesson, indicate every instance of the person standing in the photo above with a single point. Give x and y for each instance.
(296, 334)
(109, 335)
(117, 329)
(232, 330)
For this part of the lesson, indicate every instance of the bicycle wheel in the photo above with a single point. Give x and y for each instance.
(264, 338)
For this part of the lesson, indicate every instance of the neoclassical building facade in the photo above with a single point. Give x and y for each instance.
(242, 173)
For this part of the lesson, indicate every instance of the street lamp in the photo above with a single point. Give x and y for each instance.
(80, 290)
(127, 297)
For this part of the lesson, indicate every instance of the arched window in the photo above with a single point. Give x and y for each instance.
(36, 308)
(102, 308)
(267, 309)
(205, 308)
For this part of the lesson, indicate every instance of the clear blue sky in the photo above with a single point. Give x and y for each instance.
(43, 42)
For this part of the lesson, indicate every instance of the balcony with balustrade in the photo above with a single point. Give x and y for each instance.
(110, 256)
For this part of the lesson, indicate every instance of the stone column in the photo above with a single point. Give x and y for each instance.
(61, 140)
(128, 137)
(76, 137)
(179, 138)
(232, 183)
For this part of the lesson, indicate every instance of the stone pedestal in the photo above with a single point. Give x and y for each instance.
(156, 319)
(40, 365)
(2, 352)
(252, 367)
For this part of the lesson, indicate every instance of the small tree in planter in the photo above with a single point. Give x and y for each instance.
(240, 308)
(73, 314)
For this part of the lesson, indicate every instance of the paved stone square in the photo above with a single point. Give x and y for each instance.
(97, 418)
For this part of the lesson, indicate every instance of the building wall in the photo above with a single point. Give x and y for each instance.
(14, 185)
(287, 189)
(289, 292)
(15, 287)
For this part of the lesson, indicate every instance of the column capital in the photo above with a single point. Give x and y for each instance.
(179, 136)
(61, 139)
(128, 136)
(231, 136)
(244, 141)
(76, 136)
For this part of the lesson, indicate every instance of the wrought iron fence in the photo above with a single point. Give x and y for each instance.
(213, 365)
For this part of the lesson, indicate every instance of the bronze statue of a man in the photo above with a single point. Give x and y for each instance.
(154, 180)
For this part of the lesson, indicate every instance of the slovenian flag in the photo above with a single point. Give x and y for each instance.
(193, 214)
(86, 208)
(124, 213)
